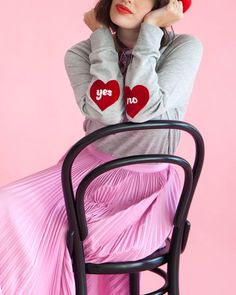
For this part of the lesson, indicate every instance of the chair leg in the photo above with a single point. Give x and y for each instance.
(174, 260)
(79, 269)
(134, 283)
(173, 270)
(173, 279)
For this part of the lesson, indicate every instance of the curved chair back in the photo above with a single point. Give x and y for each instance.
(75, 204)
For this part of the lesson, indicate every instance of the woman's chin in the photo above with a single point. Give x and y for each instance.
(125, 25)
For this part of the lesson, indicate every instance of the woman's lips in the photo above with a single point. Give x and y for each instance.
(122, 9)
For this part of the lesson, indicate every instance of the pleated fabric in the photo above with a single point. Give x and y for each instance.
(129, 213)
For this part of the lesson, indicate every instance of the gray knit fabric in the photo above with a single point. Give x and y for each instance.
(167, 73)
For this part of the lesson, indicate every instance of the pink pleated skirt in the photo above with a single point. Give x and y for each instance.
(129, 212)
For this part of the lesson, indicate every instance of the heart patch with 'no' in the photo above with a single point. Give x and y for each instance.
(135, 99)
(105, 94)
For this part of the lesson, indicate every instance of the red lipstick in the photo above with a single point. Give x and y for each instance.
(122, 9)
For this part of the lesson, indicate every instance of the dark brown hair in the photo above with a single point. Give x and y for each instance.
(102, 10)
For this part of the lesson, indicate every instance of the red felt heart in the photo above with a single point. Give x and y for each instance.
(135, 99)
(105, 94)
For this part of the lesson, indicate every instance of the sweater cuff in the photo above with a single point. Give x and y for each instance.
(149, 38)
(100, 38)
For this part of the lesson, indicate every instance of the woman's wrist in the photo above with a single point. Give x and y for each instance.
(152, 22)
(99, 27)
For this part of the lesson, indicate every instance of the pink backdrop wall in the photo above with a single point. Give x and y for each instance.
(39, 119)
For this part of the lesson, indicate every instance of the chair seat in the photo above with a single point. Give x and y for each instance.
(157, 258)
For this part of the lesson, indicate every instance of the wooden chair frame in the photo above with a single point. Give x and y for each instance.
(175, 245)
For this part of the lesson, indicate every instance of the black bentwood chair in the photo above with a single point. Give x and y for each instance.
(175, 245)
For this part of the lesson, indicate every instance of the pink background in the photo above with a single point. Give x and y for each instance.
(40, 120)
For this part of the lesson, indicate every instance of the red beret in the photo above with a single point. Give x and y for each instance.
(186, 4)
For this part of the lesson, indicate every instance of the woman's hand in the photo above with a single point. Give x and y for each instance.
(91, 21)
(165, 16)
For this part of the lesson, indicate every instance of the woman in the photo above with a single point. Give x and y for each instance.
(130, 69)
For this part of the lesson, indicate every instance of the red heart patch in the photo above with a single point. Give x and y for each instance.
(105, 94)
(135, 99)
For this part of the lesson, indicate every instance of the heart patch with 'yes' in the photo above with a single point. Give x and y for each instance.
(105, 94)
(135, 99)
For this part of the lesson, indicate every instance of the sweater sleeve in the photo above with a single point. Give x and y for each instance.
(149, 90)
(96, 78)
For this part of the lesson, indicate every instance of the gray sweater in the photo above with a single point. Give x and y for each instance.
(157, 85)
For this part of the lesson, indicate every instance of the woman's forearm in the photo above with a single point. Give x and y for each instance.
(96, 79)
(150, 92)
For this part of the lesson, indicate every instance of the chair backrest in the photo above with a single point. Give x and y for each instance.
(75, 204)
